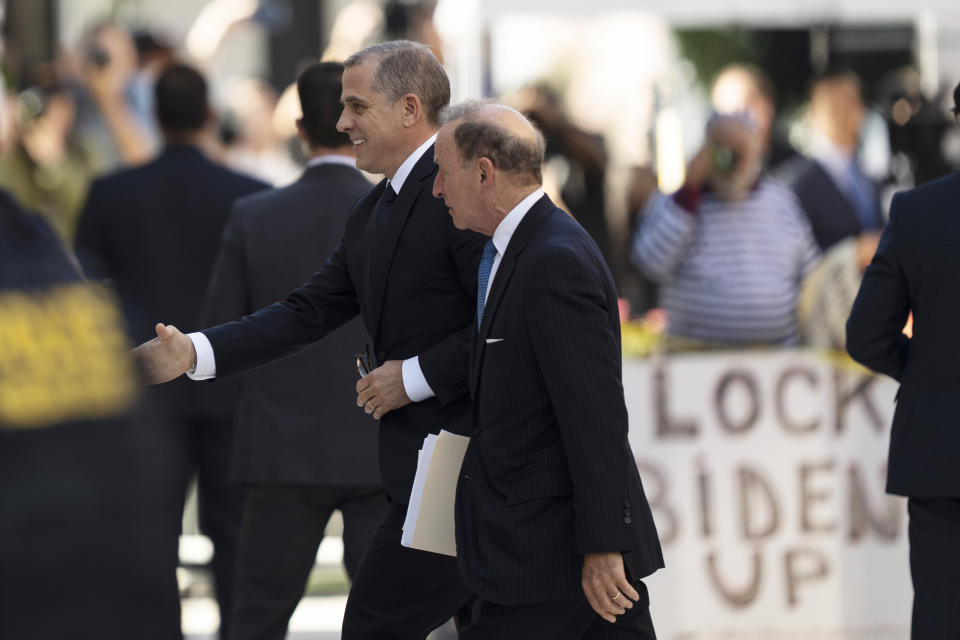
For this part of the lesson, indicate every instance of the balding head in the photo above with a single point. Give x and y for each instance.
(490, 157)
(502, 134)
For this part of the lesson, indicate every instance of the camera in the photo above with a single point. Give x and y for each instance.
(724, 160)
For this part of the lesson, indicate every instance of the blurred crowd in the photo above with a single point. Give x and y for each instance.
(763, 244)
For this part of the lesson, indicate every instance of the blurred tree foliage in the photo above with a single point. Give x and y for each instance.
(783, 54)
(709, 50)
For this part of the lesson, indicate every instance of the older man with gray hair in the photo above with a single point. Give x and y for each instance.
(554, 531)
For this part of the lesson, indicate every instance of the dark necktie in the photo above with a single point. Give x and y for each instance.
(483, 278)
(386, 205)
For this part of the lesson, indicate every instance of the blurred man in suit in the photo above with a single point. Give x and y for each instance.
(302, 449)
(914, 270)
(83, 551)
(838, 198)
(553, 528)
(411, 275)
(154, 230)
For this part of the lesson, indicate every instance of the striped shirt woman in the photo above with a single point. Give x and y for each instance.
(730, 271)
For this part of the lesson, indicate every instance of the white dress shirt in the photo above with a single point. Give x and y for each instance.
(504, 231)
(414, 382)
(332, 158)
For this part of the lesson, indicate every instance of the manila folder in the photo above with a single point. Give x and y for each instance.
(433, 529)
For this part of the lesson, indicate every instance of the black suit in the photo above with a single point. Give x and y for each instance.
(831, 214)
(914, 270)
(413, 280)
(549, 474)
(155, 230)
(302, 447)
(84, 551)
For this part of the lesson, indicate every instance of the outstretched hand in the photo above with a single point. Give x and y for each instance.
(382, 391)
(167, 356)
(605, 585)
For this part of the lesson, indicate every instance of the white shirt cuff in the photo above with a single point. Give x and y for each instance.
(413, 381)
(206, 364)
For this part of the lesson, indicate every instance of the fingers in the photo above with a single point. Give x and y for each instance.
(364, 395)
(630, 594)
(166, 331)
(601, 602)
(605, 585)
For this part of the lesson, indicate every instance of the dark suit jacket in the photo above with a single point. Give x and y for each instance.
(549, 474)
(831, 215)
(155, 231)
(915, 269)
(297, 421)
(414, 283)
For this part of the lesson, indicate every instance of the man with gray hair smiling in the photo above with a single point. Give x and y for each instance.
(553, 529)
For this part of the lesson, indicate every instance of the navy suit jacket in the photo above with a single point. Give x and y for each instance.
(915, 269)
(549, 474)
(413, 282)
(155, 231)
(297, 421)
(831, 215)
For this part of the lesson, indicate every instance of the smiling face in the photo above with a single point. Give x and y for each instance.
(374, 124)
(458, 183)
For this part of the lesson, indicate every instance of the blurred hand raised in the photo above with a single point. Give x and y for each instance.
(167, 356)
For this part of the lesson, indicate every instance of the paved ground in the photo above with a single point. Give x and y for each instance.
(317, 618)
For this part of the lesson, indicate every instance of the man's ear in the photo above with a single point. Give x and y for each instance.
(412, 109)
(486, 171)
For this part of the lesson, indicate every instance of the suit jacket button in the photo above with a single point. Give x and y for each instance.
(626, 504)
(381, 356)
(626, 512)
(627, 520)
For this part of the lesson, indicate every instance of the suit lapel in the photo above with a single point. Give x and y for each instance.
(388, 238)
(518, 242)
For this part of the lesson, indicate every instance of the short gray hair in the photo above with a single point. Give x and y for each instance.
(481, 138)
(407, 67)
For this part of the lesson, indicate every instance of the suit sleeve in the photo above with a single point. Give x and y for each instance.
(91, 244)
(326, 301)
(576, 340)
(446, 364)
(227, 297)
(875, 326)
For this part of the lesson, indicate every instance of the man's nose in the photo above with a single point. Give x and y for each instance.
(344, 122)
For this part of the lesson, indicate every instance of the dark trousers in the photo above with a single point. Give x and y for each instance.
(568, 619)
(935, 567)
(202, 446)
(282, 527)
(401, 593)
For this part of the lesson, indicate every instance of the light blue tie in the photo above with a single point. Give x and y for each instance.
(483, 278)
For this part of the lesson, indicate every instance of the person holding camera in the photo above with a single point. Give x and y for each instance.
(730, 248)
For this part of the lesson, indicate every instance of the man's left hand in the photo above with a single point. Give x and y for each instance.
(381, 391)
(605, 584)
